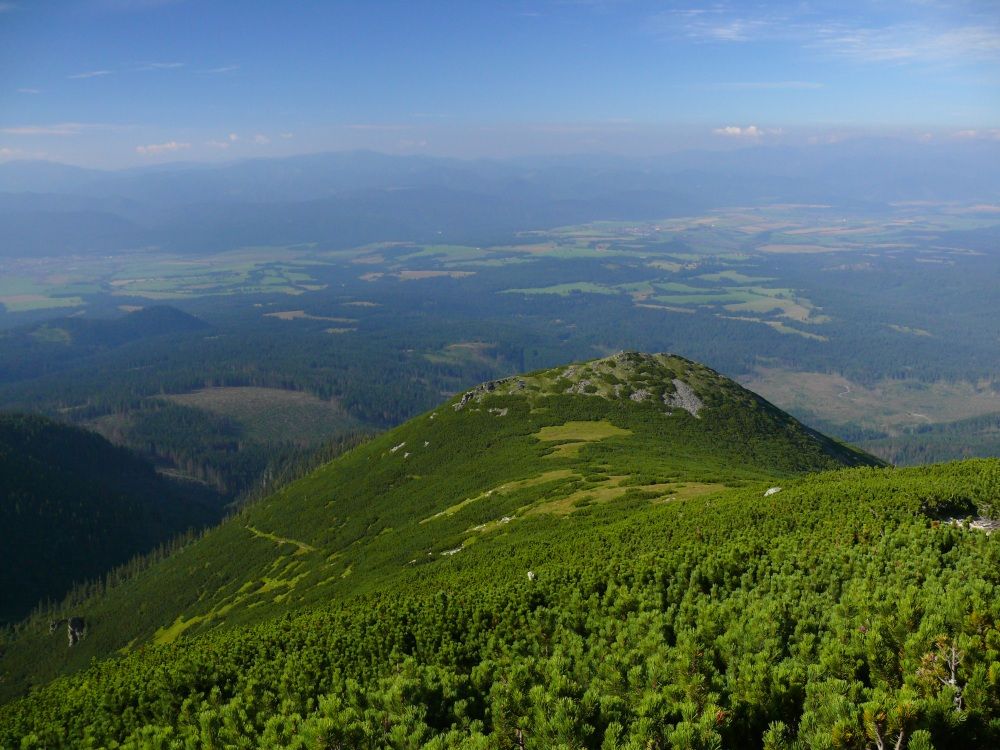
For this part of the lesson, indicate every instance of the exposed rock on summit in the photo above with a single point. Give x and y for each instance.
(684, 398)
(632, 376)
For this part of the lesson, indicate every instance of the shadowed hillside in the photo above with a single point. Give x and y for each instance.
(73, 506)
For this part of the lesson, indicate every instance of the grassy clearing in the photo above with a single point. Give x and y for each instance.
(581, 431)
(448, 252)
(505, 489)
(301, 548)
(463, 352)
(667, 308)
(175, 630)
(23, 294)
(792, 249)
(911, 331)
(577, 435)
(800, 310)
(734, 276)
(564, 290)
(600, 492)
(698, 299)
(420, 275)
(303, 315)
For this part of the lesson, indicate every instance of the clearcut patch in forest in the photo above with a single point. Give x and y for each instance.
(888, 404)
(272, 413)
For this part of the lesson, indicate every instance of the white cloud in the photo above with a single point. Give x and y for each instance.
(750, 131)
(907, 38)
(735, 131)
(5, 7)
(160, 66)
(161, 148)
(135, 5)
(223, 69)
(287, 136)
(717, 23)
(765, 85)
(63, 128)
(7, 153)
(90, 74)
(910, 43)
(377, 127)
(29, 91)
(992, 134)
(258, 138)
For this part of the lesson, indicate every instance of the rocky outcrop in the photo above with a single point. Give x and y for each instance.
(76, 628)
(581, 388)
(631, 376)
(684, 398)
(482, 390)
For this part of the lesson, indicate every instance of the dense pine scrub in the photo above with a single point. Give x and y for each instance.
(837, 613)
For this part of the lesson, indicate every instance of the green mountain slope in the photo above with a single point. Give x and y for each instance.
(72, 506)
(549, 562)
(532, 449)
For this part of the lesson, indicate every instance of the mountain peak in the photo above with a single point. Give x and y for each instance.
(663, 379)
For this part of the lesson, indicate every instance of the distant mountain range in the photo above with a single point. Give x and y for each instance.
(351, 198)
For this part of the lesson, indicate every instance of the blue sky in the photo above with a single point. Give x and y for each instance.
(127, 82)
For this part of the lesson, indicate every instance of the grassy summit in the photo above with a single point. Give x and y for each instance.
(385, 599)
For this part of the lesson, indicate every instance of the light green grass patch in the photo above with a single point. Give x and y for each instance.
(678, 288)
(735, 277)
(172, 632)
(504, 489)
(301, 547)
(910, 331)
(795, 309)
(451, 252)
(580, 431)
(696, 299)
(51, 334)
